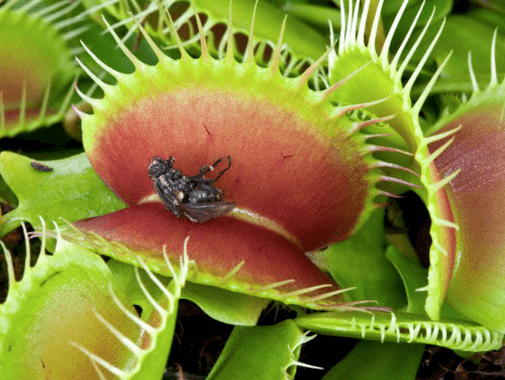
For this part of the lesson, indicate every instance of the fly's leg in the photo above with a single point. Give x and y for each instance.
(206, 169)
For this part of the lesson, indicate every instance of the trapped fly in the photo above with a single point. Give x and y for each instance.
(194, 197)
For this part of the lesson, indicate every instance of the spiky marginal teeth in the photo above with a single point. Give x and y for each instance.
(105, 67)
(378, 308)
(178, 279)
(118, 334)
(22, 114)
(180, 45)
(376, 135)
(61, 13)
(304, 78)
(153, 278)
(426, 92)
(330, 90)
(201, 32)
(383, 164)
(445, 223)
(81, 114)
(45, 100)
(42, 112)
(494, 74)
(228, 40)
(375, 26)
(345, 33)
(95, 78)
(379, 148)
(345, 109)
(414, 47)
(327, 295)
(95, 9)
(387, 43)
(443, 135)
(293, 64)
(433, 156)
(475, 84)
(134, 60)
(358, 306)
(134, 318)
(307, 290)
(300, 364)
(234, 271)
(387, 194)
(386, 178)
(274, 63)
(152, 7)
(274, 285)
(140, 15)
(92, 101)
(98, 360)
(358, 126)
(324, 296)
(76, 32)
(440, 184)
(300, 292)
(151, 299)
(45, 10)
(29, 118)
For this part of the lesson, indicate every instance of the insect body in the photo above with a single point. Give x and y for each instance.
(194, 197)
(40, 167)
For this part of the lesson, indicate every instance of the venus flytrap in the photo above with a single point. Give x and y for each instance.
(99, 319)
(476, 152)
(403, 327)
(52, 305)
(451, 163)
(364, 131)
(148, 357)
(232, 104)
(310, 166)
(36, 65)
(385, 77)
(302, 45)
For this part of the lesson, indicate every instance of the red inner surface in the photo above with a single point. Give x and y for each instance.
(282, 168)
(477, 197)
(217, 246)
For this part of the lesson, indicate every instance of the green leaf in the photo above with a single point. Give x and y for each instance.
(377, 361)
(361, 262)
(261, 352)
(72, 191)
(220, 304)
(414, 276)
(489, 17)
(226, 306)
(317, 15)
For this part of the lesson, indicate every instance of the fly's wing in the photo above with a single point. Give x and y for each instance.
(201, 212)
